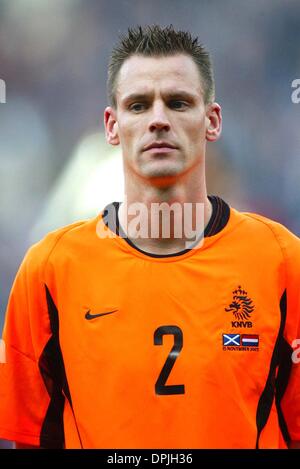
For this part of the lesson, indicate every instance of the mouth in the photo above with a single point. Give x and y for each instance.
(160, 147)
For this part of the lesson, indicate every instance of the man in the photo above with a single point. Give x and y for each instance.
(115, 340)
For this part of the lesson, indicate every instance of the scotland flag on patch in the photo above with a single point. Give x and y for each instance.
(231, 339)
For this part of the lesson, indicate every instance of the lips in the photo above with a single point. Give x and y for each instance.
(159, 145)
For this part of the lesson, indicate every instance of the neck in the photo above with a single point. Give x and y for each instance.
(165, 219)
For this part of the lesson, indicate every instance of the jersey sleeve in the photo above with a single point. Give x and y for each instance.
(24, 396)
(291, 399)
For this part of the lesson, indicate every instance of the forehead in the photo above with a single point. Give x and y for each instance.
(141, 74)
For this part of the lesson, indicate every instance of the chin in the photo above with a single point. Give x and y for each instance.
(161, 169)
(159, 173)
(162, 177)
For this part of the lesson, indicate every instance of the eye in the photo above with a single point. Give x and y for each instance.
(137, 107)
(177, 104)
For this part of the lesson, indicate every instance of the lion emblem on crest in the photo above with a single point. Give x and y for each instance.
(242, 306)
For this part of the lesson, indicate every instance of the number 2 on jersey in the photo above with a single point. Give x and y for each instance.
(160, 386)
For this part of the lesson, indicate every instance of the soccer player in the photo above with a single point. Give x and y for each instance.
(124, 334)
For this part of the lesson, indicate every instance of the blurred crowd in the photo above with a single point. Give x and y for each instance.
(53, 58)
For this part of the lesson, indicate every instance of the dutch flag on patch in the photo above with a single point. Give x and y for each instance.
(250, 340)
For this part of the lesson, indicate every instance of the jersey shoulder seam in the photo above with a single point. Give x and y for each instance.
(65, 230)
(269, 225)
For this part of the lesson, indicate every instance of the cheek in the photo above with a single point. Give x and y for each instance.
(130, 138)
(195, 134)
(129, 131)
(194, 128)
(125, 134)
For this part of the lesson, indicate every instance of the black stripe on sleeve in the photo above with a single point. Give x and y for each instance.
(283, 375)
(266, 399)
(52, 371)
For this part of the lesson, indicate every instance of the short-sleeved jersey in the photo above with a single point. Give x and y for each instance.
(108, 346)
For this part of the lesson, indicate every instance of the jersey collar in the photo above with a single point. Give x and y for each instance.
(218, 221)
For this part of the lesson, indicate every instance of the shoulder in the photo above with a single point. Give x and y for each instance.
(62, 240)
(273, 232)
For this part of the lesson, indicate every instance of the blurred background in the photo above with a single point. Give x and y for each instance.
(55, 166)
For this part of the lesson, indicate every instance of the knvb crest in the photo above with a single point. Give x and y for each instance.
(241, 307)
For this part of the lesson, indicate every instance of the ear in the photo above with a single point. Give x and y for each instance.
(111, 126)
(213, 122)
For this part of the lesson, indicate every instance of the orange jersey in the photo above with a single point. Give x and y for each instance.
(110, 347)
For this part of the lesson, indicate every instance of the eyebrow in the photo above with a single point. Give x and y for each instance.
(136, 97)
(172, 94)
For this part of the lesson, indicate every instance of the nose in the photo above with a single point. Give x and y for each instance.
(159, 119)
